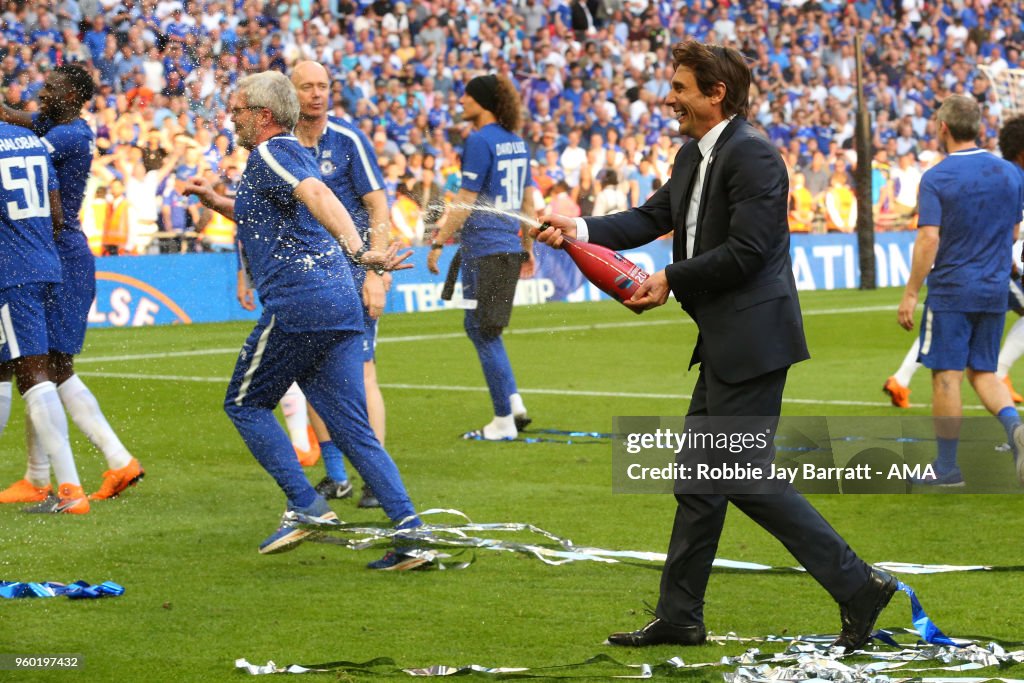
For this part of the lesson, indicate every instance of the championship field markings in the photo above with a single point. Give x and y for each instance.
(233, 350)
(482, 389)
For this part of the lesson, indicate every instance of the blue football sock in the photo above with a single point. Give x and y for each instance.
(946, 459)
(334, 463)
(1010, 418)
(497, 369)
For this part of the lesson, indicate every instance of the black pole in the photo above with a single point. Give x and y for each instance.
(865, 217)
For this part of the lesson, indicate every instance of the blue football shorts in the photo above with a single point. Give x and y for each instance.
(22, 321)
(951, 340)
(68, 303)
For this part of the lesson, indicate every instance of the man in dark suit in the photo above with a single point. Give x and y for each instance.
(726, 203)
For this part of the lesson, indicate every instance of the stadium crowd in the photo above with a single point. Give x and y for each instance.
(591, 74)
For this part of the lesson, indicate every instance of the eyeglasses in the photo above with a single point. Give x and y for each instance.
(235, 110)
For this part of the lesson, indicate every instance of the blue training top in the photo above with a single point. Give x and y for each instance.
(975, 198)
(296, 266)
(71, 147)
(349, 167)
(495, 165)
(27, 251)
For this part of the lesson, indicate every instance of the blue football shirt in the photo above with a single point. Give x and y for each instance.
(71, 147)
(296, 266)
(975, 198)
(27, 251)
(349, 167)
(495, 165)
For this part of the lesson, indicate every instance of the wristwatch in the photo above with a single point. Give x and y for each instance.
(357, 257)
(436, 246)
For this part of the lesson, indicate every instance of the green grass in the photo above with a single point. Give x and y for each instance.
(183, 543)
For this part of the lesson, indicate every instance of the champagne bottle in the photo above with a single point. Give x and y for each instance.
(610, 271)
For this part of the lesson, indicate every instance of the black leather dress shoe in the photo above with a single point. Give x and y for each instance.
(860, 613)
(659, 632)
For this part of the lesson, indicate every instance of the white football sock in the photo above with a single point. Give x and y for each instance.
(910, 364)
(42, 404)
(1013, 349)
(501, 427)
(293, 405)
(5, 405)
(86, 414)
(38, 469)
(518, 407)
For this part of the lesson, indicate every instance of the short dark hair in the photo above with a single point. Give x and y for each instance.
(1011, 139)
(962, 116)
(714, 64)
(79, 80)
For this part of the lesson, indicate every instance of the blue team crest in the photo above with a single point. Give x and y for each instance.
(327, 167)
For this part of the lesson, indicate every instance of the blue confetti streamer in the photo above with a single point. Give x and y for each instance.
(922, 622)
(78, 590)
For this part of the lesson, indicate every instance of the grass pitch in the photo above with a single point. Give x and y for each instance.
(198, 596)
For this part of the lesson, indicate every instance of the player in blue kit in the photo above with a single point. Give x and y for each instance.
(30, 215)
(495, 252)
(349, 168)
(897, 386)
(970, 208)
(296, 237)
(71, 145)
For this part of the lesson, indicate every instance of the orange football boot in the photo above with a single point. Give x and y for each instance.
(70, 500)
(899, 394)
(24, 491)
(116, 481)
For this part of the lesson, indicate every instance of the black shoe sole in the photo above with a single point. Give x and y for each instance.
(522, 422)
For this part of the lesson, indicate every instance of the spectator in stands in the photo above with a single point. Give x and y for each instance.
(115, 225)
(561, 202)
(406, 216)
(183, 63)
(840, 205)
(907, 179)
(610, 199)
(801, 205)
(217, 232)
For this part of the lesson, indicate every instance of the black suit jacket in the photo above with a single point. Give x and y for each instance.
(738, 286)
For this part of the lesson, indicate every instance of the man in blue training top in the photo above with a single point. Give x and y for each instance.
(970, 207)
(296, 237)
(71, 145)
(495, 252)
(30, 215)
(349, 168)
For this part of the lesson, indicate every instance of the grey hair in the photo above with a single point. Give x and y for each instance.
(273, 90)
(962, 116)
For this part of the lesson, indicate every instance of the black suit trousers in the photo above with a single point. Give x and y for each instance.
(786, 515)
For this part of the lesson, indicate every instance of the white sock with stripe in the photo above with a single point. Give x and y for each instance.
(38, 469)
(86, 414)
(909, 365)
(5, 404)
(296, 419)
(1013, 349)
(42, 404)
